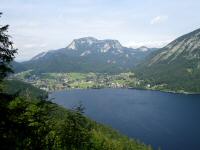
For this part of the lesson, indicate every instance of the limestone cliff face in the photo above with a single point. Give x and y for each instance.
(185, 47)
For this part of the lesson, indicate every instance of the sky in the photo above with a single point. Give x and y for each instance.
(42, 25)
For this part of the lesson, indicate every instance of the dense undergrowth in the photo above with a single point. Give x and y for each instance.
(29, 121)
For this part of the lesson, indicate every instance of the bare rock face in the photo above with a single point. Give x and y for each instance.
(185, 47)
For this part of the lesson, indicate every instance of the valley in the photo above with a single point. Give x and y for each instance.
(91, 63)
(65, 81)
(51, 82)
(99, 75)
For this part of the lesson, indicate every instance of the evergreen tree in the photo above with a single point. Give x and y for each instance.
(7, 51)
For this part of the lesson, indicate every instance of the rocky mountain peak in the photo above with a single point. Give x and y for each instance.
(186, 47)
(87, 40)
(113, 44)
(87, 43)
(82, 41)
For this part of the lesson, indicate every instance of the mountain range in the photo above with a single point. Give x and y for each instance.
(176, 66)
(89, 55)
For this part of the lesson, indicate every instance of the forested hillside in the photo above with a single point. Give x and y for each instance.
(175, 67)
(29, 122)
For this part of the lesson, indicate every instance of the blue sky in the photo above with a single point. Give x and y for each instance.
(41, 25)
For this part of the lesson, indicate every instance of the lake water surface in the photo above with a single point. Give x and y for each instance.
(171, 121)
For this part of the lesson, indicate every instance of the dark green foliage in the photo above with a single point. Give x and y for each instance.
(78, 126)
(29, 123)
(22, 88)
(174, 76)
(25, 124)
(6, 51)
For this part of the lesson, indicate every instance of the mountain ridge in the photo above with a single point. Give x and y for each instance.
(175, 66)
(186, 45)
(88, 54)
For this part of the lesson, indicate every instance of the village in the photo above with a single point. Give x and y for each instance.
(65, 81)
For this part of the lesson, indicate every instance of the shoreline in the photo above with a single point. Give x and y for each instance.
(131, 88)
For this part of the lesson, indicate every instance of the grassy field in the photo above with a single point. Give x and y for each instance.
(74, 80)
(63, 81)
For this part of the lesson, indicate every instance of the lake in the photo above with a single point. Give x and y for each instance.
(171, 121)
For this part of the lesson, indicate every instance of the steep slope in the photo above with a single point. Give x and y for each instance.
(22, 88)
(88, 55)
(29, 121)
(176, 66)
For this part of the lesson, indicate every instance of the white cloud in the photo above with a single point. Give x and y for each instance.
(157, 44)
(159, 19)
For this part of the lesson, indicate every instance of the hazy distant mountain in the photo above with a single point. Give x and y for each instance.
(17, 67)
(89, 55)
(177, 64)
